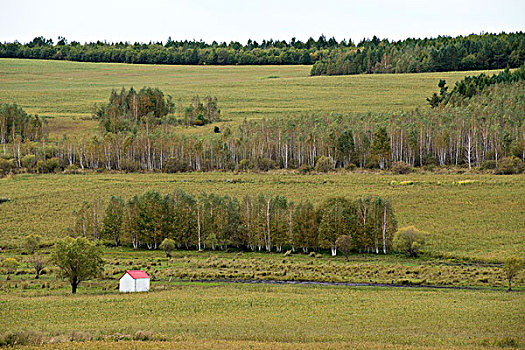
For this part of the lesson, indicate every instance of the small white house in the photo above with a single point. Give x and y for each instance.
(134, 281)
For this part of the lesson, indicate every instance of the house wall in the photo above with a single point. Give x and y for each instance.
(127, 284)
(142, 285)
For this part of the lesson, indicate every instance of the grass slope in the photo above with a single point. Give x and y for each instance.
(481, 219)
(69, 89)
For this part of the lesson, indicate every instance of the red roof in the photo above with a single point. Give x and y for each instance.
(135, 274)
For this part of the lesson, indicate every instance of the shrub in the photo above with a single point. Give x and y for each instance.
(144, 335)
(305, 169)
(266, 164)
(509, 165)
(6, 165)
(10, 266)
(130, 166)
(32, 243)
(49, 166)
(80, 336)
(488, 164)
(29, 161)
(168, 245)
(245, 164)
(351, 167)
(401, 168)
(175, 165)
(409, 240)
(324, 164)
(21, 338)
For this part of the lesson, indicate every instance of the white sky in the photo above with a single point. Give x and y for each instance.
(156, 20)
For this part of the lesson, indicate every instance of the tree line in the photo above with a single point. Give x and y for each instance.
(329, 56)
(263, 222)
(481, 132)
(472, 52)
(267, 52)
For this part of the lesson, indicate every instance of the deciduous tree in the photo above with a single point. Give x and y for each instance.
(78, 260)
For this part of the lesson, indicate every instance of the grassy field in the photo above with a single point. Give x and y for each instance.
(278, 315)
(481, 219)
(70, 89)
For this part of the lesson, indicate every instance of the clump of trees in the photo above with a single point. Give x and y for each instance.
(444, 53)
(16, 126)
(256, 223)
(131, 111)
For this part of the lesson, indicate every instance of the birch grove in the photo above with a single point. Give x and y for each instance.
(256, 223)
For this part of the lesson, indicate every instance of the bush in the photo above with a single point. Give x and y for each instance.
(32, 242)
(305, 169)
(175, 165)
(409, 240)
(144, 335)
(21, 338)
(266, 164)
(6, 165)
(245, 164)
(509, 165)
(351, 167)
(324, 164)
(130, 166)
(401, 168)
(80, 336)
(49, 166)
(168, 245)
(488, 164)
(29, 161)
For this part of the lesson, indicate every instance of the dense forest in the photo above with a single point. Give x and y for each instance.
(263, 222)
(473, 52)
(444, 53)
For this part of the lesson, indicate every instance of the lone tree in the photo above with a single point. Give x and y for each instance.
(10, 265)
(78, 260)
(32, 243)
(409, 240)
(168, 245)
(344, 244)
(38, 264)
(512, 267)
